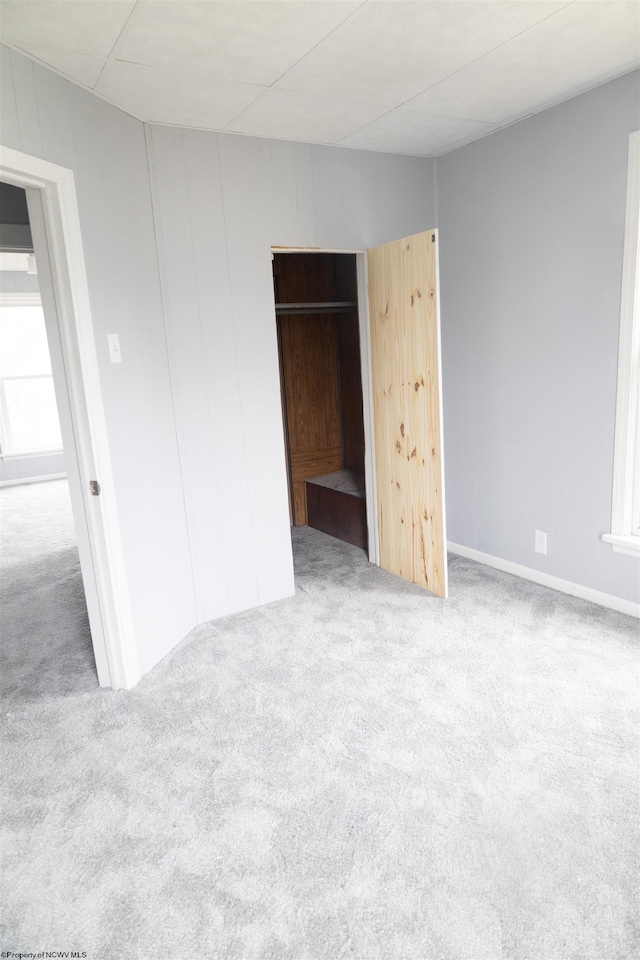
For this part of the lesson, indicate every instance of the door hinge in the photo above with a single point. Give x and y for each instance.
(94, 487)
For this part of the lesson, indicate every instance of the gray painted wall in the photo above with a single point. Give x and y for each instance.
(221, 203)
(531, 230)
(46, 116)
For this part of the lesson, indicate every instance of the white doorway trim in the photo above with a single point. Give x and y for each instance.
(367, 388)
(55, 227)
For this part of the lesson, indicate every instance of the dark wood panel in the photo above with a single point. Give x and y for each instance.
(312, 401)
(345, 276)
(310, 359)
(318, 467)
(314, 277)
(303, 277)
(300, 471)
(339, 514)
(316, 455)
(351, 391)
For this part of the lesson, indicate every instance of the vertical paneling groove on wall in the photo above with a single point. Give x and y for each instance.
(8, 109)
(304, 197)
(178, 298)
(328, 196)
(219, 357)
(283, 166)
(135, 311)
(249, 212)
(360, 206)
(182, 315)
(27, 105)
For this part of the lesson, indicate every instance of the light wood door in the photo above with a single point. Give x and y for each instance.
(405, 360)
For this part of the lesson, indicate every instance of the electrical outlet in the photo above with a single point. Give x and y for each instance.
(540, 545)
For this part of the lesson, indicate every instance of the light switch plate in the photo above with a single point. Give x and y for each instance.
(114, 347)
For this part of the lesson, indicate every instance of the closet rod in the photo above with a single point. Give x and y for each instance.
(340, 306)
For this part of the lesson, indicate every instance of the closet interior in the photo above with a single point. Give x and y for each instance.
(319, 347)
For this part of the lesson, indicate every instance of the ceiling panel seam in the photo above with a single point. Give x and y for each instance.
(112, 55)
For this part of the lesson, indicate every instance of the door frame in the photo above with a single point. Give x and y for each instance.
(367, 387)
(55, 227)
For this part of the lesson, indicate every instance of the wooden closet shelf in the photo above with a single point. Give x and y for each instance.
(338, 306)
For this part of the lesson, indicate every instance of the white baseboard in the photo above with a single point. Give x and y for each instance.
(20, 480)
(548, 580)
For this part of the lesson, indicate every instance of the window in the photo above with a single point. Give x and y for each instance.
(625, 516)
(28, 413)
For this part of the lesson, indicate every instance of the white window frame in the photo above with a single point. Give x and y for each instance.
(625, 514)
(7, 299)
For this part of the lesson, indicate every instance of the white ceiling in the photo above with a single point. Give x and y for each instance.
(400, 76)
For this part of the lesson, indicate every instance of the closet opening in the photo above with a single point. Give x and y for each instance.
(316, 297)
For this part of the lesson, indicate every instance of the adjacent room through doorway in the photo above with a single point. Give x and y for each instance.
(46, 634)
